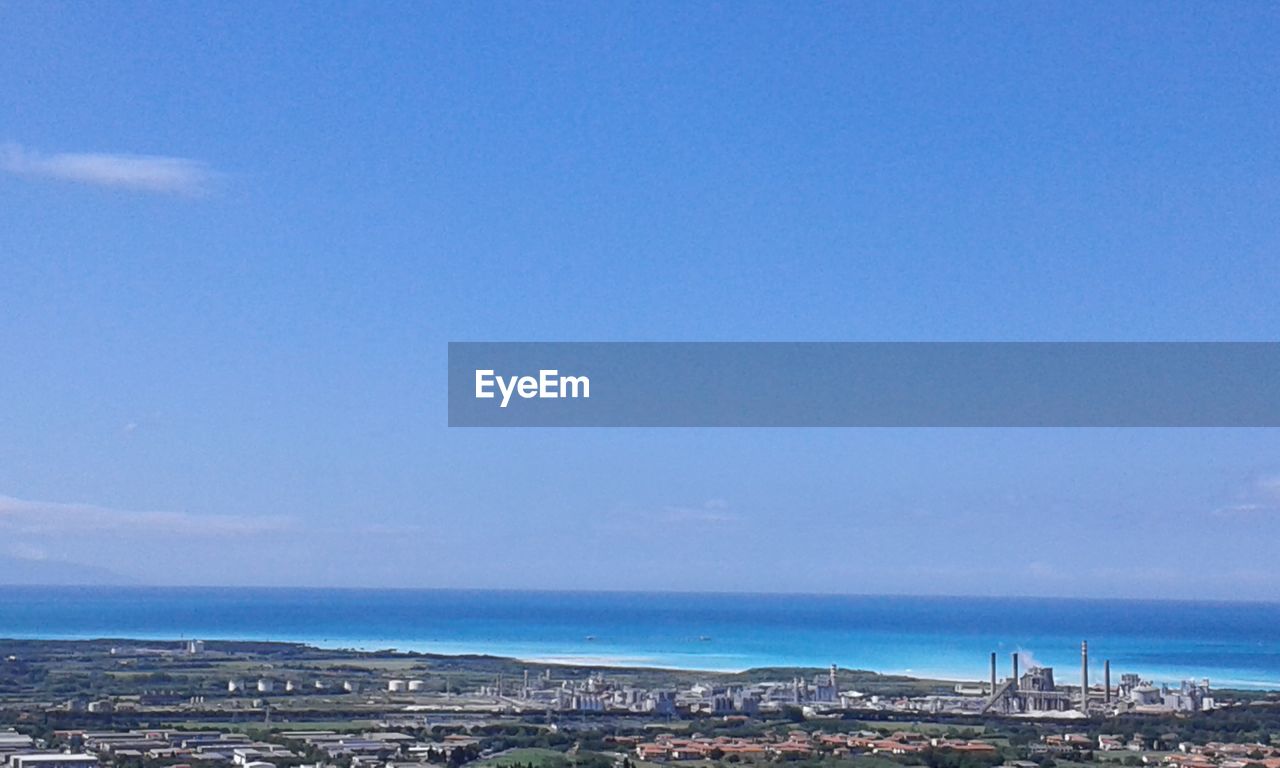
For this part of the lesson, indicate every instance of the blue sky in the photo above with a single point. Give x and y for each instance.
(235, 240)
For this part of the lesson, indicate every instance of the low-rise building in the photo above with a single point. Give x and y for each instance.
(52, 760)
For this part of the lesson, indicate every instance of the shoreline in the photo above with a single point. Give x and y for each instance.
(566, 659)
(602, 662)
(923, 638)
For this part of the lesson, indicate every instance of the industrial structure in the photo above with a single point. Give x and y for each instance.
(1036, 692)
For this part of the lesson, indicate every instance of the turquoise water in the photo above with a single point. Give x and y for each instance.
(1234, 644)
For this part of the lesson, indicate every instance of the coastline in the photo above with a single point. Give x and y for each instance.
(568, 660)
(927, 638)
(217, 650)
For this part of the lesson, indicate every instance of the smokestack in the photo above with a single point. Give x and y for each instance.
(1084, 676)
(1106, 680)
(1015, 671)
(832, 678)
(993, 673)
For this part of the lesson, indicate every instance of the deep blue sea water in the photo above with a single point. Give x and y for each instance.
(1231, 643)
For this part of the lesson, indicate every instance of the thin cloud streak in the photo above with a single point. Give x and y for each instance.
(1261, 496)
(50, 518)
(141, 173)
(711, 511)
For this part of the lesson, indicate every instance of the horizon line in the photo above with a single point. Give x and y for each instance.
(633, 591)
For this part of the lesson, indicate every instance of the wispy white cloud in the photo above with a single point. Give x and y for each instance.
(142, 173)
(1268, 487)
(710, 511)
(51, 518)
(1241, 510)
(1260, 496)
(388, 529)
(711, 517)
(29, 552)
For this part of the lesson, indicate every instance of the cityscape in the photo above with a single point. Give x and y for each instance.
(690, 384)
(183, 704)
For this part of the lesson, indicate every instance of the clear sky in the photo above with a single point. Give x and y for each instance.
(235, 239)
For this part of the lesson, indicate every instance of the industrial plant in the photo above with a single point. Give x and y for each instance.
(1035, 692)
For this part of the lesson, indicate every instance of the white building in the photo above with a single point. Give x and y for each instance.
(53, 761)
(11, 740)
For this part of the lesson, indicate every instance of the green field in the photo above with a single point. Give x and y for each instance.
(539, 758)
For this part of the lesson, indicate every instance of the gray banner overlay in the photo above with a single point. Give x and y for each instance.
(889, 384)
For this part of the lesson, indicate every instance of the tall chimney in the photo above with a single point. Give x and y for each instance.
(993, 673)
(1015, 671)
(1084, 676)
(1106, 680)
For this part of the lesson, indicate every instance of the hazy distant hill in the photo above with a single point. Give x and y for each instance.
(20, 571)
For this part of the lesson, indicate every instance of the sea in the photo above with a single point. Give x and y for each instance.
(1231, 644)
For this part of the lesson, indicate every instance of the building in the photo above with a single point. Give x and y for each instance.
(55, 760)
(11, 740)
